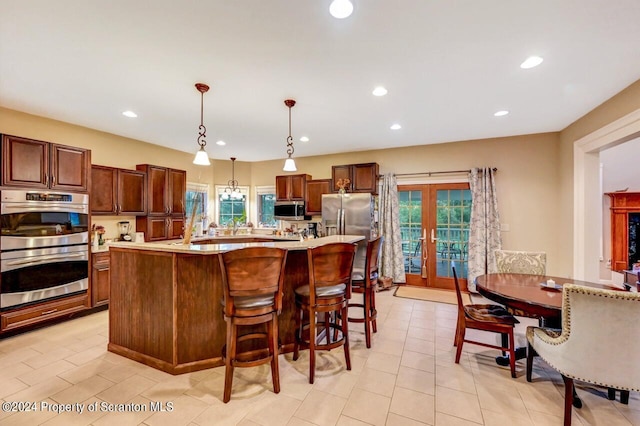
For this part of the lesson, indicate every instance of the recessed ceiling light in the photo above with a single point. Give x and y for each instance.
(304, 139)
(530, 62)
(501, 113)
(341, 9)
(395, 126)
(221, 143)
(129, 114)
(379, 91)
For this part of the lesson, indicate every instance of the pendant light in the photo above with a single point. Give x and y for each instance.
(232, 191)
(289, 164)
(202, 159)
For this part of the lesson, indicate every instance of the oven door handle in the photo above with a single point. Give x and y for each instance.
(21, 208)
(45, 259)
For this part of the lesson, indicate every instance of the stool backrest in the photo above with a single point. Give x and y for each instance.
(374, 247)
(330, 264)
(253, 271)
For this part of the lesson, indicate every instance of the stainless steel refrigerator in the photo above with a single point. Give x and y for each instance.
(351, 214)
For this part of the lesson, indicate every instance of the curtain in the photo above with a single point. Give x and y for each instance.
(484, 232)
(392, 261)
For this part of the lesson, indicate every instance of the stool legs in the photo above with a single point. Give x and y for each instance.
(230, 356)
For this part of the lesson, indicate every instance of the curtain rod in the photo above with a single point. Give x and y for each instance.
(495, 169)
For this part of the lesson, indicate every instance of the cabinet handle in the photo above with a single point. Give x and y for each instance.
(49, 311)
(53, 180)
(46, 178)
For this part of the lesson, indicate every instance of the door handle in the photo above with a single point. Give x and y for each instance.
(433, 236)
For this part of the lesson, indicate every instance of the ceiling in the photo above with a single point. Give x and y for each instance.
(447, 65)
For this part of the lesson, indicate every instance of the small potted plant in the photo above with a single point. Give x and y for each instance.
(212, 228)
(98, 232)
(249, 227)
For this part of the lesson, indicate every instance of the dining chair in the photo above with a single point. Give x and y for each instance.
(253, 281)
(364, 281)
(597, 343)
(521, 262)
(322, 305)
(485, 317)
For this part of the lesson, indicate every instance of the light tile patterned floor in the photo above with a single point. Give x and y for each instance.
(408, 377)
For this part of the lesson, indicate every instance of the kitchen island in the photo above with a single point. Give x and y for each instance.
(165, 306)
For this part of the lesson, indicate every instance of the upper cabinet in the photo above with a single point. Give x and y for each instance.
(291, 187)
(315, 189)
(166, 191)
(363, 177)
(36, 164)
(118, 191)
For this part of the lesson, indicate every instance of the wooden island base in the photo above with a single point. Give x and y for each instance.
(165, 302)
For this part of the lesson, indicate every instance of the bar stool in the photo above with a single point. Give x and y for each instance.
(253, 279)
(328, 292)
(365, 282)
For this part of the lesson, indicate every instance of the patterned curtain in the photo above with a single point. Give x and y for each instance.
(484, 235)
(392, 261)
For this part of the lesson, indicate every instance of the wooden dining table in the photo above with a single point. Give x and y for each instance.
(525, 296)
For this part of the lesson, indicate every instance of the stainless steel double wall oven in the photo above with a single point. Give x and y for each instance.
(43, 246)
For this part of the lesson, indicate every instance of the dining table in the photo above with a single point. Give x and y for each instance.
(536, 296)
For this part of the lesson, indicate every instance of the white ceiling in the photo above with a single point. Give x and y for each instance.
(448, 66)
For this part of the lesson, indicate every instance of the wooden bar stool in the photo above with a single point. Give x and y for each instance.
(364, 282)
(328, 292)
(253, 279)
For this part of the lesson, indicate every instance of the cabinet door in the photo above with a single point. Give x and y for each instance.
(176, 227)
(340, 172)
(100, 279)
(69, 168)
(25, 162)
(157, 194)
(177, 191)
(132, 192)
(297, 188)
(282, 188)
(156, 228)
(315, 189)
(365, 178)
(103, 190)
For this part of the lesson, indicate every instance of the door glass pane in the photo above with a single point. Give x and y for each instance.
(453, 210)
(411, 229)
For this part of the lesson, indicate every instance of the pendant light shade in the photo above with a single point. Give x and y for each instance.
(201, 158)
(289, 164)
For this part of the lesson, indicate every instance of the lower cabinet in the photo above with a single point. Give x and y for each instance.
(159, 228)
(100, 278)
(42, 312)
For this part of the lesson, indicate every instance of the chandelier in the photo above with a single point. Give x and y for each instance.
(289, 164)
(201, 158)
(232, 191)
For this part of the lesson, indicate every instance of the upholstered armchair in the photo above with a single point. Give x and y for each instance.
(598, 343)
(521, 262)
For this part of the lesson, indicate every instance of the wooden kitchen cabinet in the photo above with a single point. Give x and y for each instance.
(363, 177)
(166, 190)
(29, 163)
(291, 187)
(624, 205)
(100, 278)
(42, 312)
(315, 189)
(118, 191)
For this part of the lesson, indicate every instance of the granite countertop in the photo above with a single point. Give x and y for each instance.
(194, 248)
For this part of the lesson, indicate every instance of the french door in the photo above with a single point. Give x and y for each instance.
(434, 223)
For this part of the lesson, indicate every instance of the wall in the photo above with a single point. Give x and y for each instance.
(526, 180)
(625, 102)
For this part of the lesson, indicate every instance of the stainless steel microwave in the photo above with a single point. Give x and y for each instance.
(289, 210)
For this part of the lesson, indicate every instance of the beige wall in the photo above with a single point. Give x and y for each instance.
(535, 172)
(613, 109)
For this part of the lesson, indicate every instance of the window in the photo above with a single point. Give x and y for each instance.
(266, 198)
(197, 196)
(232, 207)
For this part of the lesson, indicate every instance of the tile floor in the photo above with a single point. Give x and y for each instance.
(408, 377)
